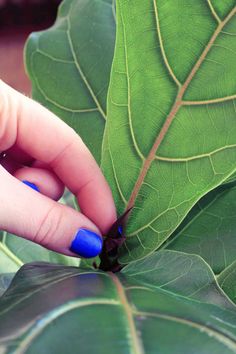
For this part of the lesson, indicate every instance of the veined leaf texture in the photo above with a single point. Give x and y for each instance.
(170, 135)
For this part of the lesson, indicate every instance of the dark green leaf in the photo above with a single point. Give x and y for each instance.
(69, 66)
(170, 136)
(210, 229)
(5, 281)
(181, 273)
(56, 309)
(227, 280)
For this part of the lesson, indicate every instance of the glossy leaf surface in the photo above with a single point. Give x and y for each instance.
(210, 230)
(170, 136)
(69, 66)
(62, 308)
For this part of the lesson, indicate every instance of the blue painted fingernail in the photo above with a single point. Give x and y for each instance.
(86, 244)
(31, 185)
(120, 229)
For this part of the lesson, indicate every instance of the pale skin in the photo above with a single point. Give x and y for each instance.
(42, 149)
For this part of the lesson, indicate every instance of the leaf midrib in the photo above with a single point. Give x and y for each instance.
(134, 338)
(130, 312)
(175, 108)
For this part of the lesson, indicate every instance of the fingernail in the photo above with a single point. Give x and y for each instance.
(31, 185)
(120, 229)
(86, 244)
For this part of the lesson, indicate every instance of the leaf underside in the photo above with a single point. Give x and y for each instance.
(63, 308)
(170, 135)
(69, 66)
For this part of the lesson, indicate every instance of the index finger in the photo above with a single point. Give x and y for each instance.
(45, 137)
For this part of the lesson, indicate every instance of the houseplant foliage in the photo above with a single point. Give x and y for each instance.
(168, 151)
(135, 311)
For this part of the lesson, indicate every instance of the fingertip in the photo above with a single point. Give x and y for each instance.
(86, 244)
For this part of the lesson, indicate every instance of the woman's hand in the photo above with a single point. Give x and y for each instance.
(39, 148)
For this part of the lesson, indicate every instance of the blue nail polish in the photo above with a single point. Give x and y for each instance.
(120, 229)
(86, 244)
(31, 185)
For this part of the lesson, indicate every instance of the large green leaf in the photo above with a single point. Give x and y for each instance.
(170, 136)
(183, 274)
(210, 230)
(50, 308)
(227, 280)
(69, 66)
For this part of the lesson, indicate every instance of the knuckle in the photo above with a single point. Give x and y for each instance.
(48, 229)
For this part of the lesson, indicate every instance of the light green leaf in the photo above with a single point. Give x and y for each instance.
(9, 262)
(90, 263)
(227, 280)
(231, 179)
(69, 66)
(220, 9)
(211, 229)
(170, 136)
(56, 309)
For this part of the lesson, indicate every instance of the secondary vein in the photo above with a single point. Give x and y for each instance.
(80, 70)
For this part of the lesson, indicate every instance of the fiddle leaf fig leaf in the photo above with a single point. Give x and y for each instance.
(181, 273)
(5, 280)
(62, 308)
(170, 135)
(220, 9)
(227, 280)
(69, 66)
(210, 230)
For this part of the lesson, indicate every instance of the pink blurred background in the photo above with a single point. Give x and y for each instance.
(18, 18)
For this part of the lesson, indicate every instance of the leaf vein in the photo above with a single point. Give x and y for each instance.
(158, 28)
(80, 69)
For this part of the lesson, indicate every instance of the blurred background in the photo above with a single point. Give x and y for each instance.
(18, 18)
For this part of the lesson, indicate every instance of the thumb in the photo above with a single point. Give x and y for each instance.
(34, 216)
